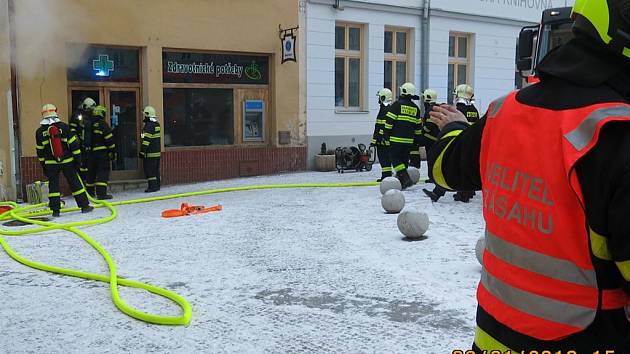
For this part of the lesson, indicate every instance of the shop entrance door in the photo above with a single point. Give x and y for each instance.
(122, 116)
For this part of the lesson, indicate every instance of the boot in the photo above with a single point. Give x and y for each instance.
(56, 214)
(405, 180)
(383, 176)
(458, 197)
(434, 197)
(87, 209)
(104, 197)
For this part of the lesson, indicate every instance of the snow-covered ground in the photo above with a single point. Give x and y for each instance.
(279, 271)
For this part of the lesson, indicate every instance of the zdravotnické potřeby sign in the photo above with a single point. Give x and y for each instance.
(179, 67)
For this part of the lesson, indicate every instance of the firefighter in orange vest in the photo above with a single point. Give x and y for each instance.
(101, 152)
(556, 266)
(58, 151)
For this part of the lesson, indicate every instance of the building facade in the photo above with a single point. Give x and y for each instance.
(356, 47)
(228, 104)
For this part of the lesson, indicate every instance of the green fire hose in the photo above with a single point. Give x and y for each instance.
(27, 213)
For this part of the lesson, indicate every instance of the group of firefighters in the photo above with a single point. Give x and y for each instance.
(84, 149)
(402, 128)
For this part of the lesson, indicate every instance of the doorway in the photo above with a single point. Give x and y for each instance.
(122, 115)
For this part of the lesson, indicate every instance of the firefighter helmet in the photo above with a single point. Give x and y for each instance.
(99, 111)
(87, 104)
(607, 21)
(385, 96)
(149, 112)
(408, 89)
(464, 91)
(49, 110)
(430, 96)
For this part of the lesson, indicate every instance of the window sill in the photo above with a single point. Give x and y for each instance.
(339, 111)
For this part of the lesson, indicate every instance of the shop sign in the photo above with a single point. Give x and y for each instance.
(94, 63)
(287, 38)
(179, 67)
(523, 10)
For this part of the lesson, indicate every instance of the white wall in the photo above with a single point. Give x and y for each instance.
(323, 120)
(522, 10)
(493, 57)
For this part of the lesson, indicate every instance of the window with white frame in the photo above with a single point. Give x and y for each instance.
(396, 64)
(459, 68)
(348, 66)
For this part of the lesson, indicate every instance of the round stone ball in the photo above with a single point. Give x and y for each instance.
(413, 223)
(390, 183)
(414, 174)
(479, 248)
(393, 201)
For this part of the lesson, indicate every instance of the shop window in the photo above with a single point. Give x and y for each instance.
(348, 66)
(198, 117)
(396, 61)
(459, 64)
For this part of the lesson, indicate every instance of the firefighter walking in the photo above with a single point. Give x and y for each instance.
(402, 129)
(556, 266)
(430, 132)
(101, 151)
(58, 151)
(379, 138)
(151, 148)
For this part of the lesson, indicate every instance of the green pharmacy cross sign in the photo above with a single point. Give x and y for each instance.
(103, 66)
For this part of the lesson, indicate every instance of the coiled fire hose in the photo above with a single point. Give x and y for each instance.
(27, 213)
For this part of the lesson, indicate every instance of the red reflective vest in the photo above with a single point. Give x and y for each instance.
(538, 277)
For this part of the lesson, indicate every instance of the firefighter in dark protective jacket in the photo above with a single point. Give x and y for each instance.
(403, 130)
(556, 266)
(58, 151)
(77, 127)
(463, 99)
(379, 138)
(151, 149)
(101, 151)
(430, 132)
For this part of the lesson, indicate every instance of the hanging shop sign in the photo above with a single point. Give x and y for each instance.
(179, 67)
(287, 38)
(94, 63)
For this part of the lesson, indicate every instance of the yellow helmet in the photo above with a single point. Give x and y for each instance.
(430, 96)
(88, 104)
(464, 91)
(149, 112)
(385, 96)
(408, 89)
(49, 110)
(99, 111)
(606, 21)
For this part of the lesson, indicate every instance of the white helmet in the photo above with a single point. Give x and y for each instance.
(88, 104)
(408, 89)
(464, 91)
(49, 111)
(385, 96)
(430, 96)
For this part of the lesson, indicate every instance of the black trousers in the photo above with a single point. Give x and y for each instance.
(98, 173)
(414, 156)
(399, 154)
(383, 157)
(70, 172)
(151, 167)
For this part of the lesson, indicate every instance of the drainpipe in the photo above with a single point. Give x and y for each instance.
(15, 136)
(424, 40)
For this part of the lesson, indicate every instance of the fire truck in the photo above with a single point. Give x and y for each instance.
(534, 42)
